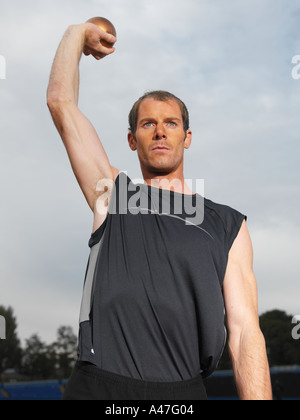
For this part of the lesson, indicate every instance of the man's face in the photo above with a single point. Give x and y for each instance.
(160, 138)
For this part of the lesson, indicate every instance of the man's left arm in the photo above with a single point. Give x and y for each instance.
(246, 342)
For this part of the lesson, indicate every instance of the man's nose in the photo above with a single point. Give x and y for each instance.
(160, 132)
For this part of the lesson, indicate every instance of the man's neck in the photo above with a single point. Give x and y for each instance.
(171, 182)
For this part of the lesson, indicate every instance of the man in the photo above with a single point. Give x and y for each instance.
(152, 317)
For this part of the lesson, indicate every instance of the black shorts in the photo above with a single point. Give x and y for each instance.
(90, 383)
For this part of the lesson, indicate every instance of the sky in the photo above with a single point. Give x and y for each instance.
(229, 61)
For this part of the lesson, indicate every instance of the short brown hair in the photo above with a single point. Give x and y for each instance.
(162, 96)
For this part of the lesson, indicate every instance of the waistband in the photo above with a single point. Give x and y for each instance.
(92, 370)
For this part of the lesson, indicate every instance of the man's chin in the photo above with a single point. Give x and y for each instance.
(159, 167)
(160, 170)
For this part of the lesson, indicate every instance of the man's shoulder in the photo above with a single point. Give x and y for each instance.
(226, 213)
(220, 209)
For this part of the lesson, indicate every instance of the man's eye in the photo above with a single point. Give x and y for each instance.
(172, 124)
(148, 125)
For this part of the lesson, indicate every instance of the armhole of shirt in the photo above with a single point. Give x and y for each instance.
(97, 235)
(235, 230)
(232, 221)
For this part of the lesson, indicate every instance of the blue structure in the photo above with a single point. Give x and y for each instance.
(220, 386)
(52, 390)
(285, 384)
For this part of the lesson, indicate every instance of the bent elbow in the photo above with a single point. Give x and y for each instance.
(51, 103)
(56, 102)
(57, 106)
(57, 99)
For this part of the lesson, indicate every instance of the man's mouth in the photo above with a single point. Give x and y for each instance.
(160, 148)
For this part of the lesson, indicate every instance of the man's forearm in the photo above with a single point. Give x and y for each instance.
(64, 79)
(251, 367)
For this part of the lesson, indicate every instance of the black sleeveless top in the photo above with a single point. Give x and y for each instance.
(153, 305)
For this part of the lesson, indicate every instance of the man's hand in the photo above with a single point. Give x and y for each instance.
(93, 46)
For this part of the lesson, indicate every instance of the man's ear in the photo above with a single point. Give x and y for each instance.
(188, 139)
(132, 141)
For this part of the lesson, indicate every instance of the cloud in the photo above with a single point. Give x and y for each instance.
(277, 265)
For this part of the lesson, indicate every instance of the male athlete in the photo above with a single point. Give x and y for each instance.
(152, 316)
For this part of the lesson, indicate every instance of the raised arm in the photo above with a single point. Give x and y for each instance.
(86, 153)
(246, 342)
